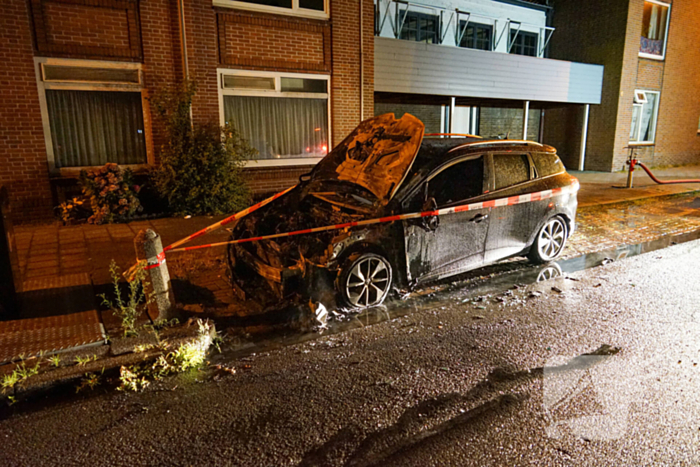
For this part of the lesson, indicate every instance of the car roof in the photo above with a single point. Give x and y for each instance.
(435, 151)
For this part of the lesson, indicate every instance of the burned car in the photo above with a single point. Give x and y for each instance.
(426, 208)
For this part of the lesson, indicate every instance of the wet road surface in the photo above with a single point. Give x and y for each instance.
(595, 367)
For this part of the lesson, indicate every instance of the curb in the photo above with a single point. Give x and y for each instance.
(43, 382)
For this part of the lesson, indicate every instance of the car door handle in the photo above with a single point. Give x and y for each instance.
(478, 218)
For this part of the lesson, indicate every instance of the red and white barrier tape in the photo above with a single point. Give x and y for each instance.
(228, 220)
(510, 201)
(160, 260)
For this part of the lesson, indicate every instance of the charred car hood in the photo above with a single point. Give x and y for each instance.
(376, 156)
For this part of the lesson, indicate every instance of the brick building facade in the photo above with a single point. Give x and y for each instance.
(63, 55)
(666, 76)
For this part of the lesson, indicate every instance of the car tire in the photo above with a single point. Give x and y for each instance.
(549, 242)
(365, 280)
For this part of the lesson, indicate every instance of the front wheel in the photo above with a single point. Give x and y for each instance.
(365, 280)
(550, 241)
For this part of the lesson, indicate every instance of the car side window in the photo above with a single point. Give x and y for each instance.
(458, 182)
(547, 163)
(510, 169)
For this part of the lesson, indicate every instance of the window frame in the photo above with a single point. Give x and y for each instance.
(477, 25)
(420, 15)
(220, 72)
(295, 10)
(492, 165)
(523, 34)
(655, 116)
(63, 85)
(668, 22)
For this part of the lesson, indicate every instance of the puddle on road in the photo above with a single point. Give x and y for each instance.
(491, 280)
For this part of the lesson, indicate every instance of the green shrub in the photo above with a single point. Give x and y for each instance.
(112, 194)
(136, 301)
(200, 169)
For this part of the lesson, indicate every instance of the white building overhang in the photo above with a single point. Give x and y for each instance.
(402, 66)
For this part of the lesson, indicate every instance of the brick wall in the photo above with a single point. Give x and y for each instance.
(270, 42)
(594, 32)
(107, 29)
(562, 130)
(270, 180)
(162, 57)
(430, 115)
(677, 140)
(23, 167)
(345, 77)
(494, 122)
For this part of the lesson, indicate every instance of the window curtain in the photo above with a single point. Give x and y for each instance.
(280, 127)
(647, 131)
(91, 128)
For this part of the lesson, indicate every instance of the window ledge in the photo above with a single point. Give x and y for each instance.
(74, 172)
(260, 163)
(642, 143)
(659, 58)
(232, 4)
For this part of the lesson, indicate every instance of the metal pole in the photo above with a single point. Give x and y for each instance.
(584, 137)
(526, 114)
(452, 115)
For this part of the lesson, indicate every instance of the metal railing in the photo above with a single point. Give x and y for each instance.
(396, 18)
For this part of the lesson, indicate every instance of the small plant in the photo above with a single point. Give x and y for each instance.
(200, 170)
(73, 210)
(55, 360)
(132, 379)
(12, 400)
(128, 308)
(81, 360)
(89, 381)
(113, 195)
(192, 354)
(18, 375)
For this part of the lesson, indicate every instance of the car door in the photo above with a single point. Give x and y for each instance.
(511, 225)
(448, 244)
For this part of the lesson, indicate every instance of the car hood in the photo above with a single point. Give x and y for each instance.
(377, 155)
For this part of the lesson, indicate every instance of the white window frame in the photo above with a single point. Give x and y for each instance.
(640, 103)
(43, 86)
(668, 22)
(294, 11)
(276, 93)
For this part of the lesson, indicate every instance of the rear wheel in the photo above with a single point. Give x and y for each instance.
(365, 280)
(550, 241)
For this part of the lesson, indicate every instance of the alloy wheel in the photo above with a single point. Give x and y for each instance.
(551, 239)
(368, 282)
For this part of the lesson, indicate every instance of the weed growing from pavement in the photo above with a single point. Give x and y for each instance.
(128, 308)
(187, 356)
(89, 381)
(19, 374)
(55, 360)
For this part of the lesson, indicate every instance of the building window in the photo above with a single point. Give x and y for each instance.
(93, 113)
(282, 116)
(654, 29)
(310, 8)
(523, 42)
(644, 113)
(420, 27)
(476, 36)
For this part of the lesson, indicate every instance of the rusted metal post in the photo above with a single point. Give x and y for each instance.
(150, 248)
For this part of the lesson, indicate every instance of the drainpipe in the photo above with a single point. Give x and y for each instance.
(362, 66)
(183, 42)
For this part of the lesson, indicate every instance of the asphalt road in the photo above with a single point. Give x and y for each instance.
(501, 381)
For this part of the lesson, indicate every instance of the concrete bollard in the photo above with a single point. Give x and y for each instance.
(149, 247)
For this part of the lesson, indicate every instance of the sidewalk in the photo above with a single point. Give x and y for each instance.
(63, 267)
(606, 188)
